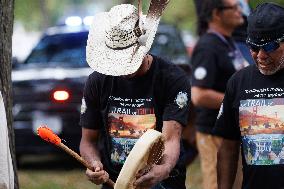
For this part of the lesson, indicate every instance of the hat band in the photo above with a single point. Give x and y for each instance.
(132, 37)
(266, 35)
(121, 48)
(264, 41)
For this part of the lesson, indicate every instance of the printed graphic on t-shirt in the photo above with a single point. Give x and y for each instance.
(128, 119)
(262, 129)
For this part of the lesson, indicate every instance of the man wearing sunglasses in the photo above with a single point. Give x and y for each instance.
(252, 113)
(215, 59)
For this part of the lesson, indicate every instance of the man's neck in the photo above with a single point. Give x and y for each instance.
(221, 29)
(143, 69)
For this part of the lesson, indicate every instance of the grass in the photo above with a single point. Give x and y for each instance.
(73, 179)
(193, 175)
(54, 172)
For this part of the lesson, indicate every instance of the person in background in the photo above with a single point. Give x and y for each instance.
(215, 59)
(240, 33)
(252, 110)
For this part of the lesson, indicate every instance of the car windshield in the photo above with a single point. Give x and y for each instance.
(168, 43)
(69, 49)
(64, 50)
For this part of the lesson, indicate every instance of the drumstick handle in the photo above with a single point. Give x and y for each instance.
(81, 160)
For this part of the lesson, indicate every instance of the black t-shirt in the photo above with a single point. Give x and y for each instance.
(215, 59)
(253, 112)
(123, 109)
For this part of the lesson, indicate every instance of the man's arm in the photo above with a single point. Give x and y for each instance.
(207, 98)
(172, 134)
(90, 153)
(88, 145)
(227, 163)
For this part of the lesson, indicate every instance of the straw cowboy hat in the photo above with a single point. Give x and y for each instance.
(119, 39)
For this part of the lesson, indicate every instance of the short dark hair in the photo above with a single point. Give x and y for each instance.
(205, 13)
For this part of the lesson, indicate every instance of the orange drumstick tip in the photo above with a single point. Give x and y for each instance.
(46, 134)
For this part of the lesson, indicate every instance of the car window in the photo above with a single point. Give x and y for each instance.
(169, 44)
(66, 50)
(69, 49)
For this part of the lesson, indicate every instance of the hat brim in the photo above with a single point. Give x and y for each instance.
(114, 62)
(262, 40)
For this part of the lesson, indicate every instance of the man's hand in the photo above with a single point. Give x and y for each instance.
(172, 134)
(99, 175)
(89, 152)
(156, 174)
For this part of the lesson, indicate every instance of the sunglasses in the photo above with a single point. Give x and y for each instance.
(268, 47)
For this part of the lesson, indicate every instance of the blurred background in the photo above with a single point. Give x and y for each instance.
(48, 50)
(32, 17)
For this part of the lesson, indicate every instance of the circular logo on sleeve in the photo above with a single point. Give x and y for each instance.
(181, 99)
(83, 106)
(200, 73)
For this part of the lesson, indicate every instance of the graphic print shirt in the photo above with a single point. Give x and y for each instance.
(253, 112)
(128, 119)
(124, 108)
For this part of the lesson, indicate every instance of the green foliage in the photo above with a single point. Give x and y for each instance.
(181, 13)
(254, 3)
(36, 14)
(30, 14)
(178, 12)
(27, 11)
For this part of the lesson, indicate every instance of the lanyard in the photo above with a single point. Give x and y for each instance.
(222, 38)
(238, 60)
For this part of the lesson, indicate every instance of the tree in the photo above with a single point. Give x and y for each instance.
(6, 30)
(254, 3)
(38, 14)
(42, 5)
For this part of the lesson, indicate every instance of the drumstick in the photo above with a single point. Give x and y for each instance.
(46, 134)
